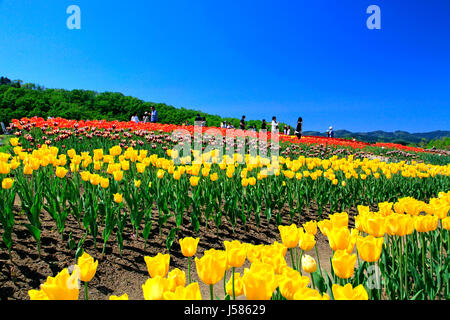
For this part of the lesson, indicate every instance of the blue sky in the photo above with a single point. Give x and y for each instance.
(314, 59)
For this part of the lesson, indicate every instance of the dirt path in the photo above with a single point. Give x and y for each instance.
(115, 274)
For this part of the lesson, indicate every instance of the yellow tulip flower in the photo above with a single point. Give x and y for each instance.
(158, 265)
(309, 294)
(369, 248)
(343, 264)
(118, 198)
(189, 246)
(259, 282)
(289, 235)
(87, 266)
(154, 288)
(7, 183)
(190, 292)
(38, 295)
(238, 285)
(347, 292)
(122, 297)
(211, 267)
(236, 253)
(62, 287)
(309, 264)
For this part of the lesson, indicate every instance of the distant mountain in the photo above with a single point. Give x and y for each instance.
(403, 137)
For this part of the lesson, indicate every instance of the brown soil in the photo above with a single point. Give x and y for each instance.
(125, 274)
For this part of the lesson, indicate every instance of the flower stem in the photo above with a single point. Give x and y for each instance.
(232, 279)
(211, 291)
(86, 291)
(189, 269)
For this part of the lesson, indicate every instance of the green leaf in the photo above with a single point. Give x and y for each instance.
(35, 232)
(170, 238)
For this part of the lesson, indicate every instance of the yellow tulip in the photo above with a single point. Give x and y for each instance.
(369, 248)
(289, 235)
(158, 265)
(104, 183)
(14, 141)
(238, 285)
(37, 295)
(85, 175)
(160, 174)
(211, 267)
(62, 287)
(347, 292)
(339, 238)
(324, 226)
(309, 294)
(27, 169)
(236, 253)
(191, 292)
(189, 246)
(259, 282)
(118, 175)
(446, 223)
(154, 288)
(122, 297)
(176, 279)
(137, 183)
(306, 241)
(343, 264)
(426, 223)
(339, 220)
(309, 264)
(7, 183)
(214, 176)
(194, 180)
(87, 267)
(118, 198)
(254, 252)
(61, 172)
(310, 227)
(290, 281)
(375, 225)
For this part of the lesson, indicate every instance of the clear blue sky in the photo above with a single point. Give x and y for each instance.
(314, 59)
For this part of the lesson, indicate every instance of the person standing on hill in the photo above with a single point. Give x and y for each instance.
(145, 118)
(330, 132)
(154, 115)
(275, 124)
(264, 125)
(242, 124)
(299, 129)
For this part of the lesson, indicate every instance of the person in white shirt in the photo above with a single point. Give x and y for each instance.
(275, 124)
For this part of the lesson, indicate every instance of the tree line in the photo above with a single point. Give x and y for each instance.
(18, 100)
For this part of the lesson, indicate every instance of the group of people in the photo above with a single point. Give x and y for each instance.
(152, 117)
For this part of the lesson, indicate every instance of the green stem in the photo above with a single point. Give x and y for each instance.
(292, 258)
(225, 282)
(86, 291)
(232, 277)
(189, 269)
(211, 291)
(399, 255)
(423, 263)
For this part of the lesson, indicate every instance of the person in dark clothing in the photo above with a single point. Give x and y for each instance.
(298, 130)
(264, 125)
(198, 120)
(242, 124)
